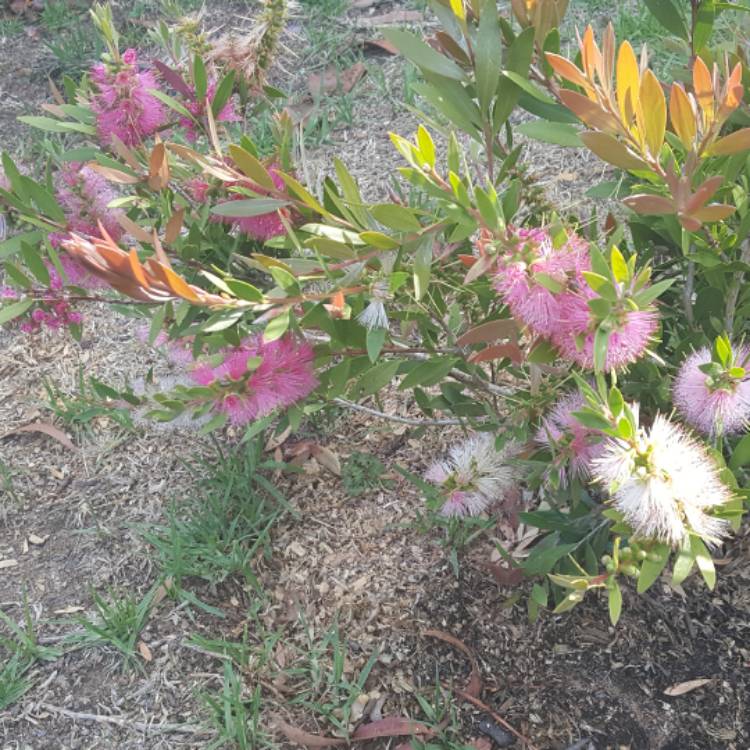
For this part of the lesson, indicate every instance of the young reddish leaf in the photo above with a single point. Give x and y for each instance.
(714, 212)
(498, 351)
(491, 331)
(703, 194)
(174, 226)
(114, 175)
(609, 149)
(734, 93)
(732, 143)
(654, 108)
(628, 81)
(650, 204)
(704, 89)
(587, 111)
(590, 54)
(567, 70)
(682, 115)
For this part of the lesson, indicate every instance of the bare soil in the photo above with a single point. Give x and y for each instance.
(359, 561)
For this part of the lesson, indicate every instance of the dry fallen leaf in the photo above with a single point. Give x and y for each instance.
(380, 44)
(34, 539)
(300, 113)
(47, 429)
(332, 79)
(474, 686)
(145, 651)
(8, 564)
(685, 687)
(327, 458)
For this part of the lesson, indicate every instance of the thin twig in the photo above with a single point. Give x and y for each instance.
(734, 289)
(393, 418)
(687, 294)
(122, 721)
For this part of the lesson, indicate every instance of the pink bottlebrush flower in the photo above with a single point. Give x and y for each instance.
(264, 226)
(714, 406)
(529, 300)
(198, 110)
(124, 105)
(8, 293)
(198, 189)
(283, 376)
(84, 195)
(628, 340)
(573, 446)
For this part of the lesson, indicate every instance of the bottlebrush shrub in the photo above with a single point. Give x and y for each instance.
(600, 366)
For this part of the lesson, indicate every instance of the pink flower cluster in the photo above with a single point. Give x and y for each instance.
(124, 105)
(714, 406)
(262, 227)
(84, 195)
(198, 110)
(258, 377)
(572, 445)
(544, 288)
(54, 311)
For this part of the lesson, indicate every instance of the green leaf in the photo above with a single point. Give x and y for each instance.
(651, 569)
(379, 240)
(200, 78)
(601, 344)
(376, 378)
(35, 264)
(648, 295)
(489, 51)
(251, 167)
(591, 419)
(396, 217)
(172, 103)
(243, 290)
(277, 327)
(669, 15)
(8, 312)
(542, 560)
(615, 603)
(375, 341)
(703, 561)
(740, 454)
(56, 126)
(249, 207)
(428, 373)
(13, 244)
(704, 24)
(216, 422)
(559, 133)
(426, 145)
(683, 564)
(619, 265)
(223, 92)
(528, 87)
(422, 55)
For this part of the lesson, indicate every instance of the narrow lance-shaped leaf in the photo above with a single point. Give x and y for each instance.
(654, 110)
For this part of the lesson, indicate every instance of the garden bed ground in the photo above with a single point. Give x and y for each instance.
(73, 518)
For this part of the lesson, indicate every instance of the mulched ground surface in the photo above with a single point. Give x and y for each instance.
(360, 561)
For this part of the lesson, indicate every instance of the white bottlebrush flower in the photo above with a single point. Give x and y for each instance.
(374, 315)
(474, 475)
(665, 484)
